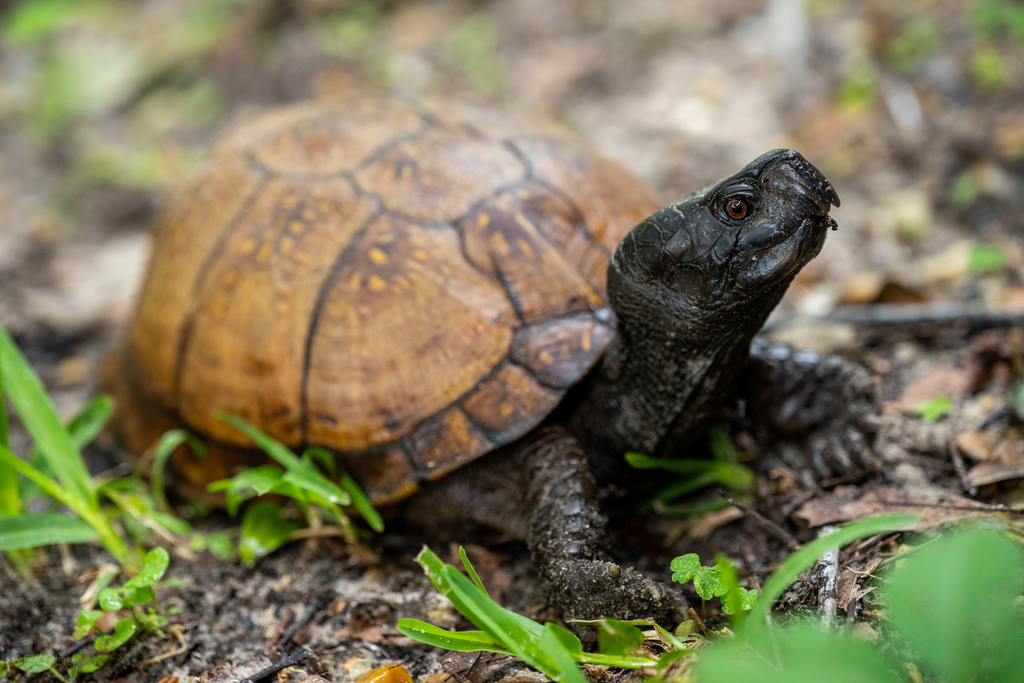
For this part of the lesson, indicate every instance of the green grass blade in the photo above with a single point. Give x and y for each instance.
(50, 487)
(471, 570)
(10, 499)
(302, 474)
(40, 418)
(437, 572)
(91, 515)
(646, 462)
(564, 650)
(170, 440)
(90, 420)
(10, 494)
(361, 502)
(549, 649)
(82, 427)
(268, 444)
(37, 530)
(490, 617)
(459, 641)
(795, 565)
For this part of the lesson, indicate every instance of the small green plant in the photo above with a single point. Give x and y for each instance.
(81, 663)
(722, 469)
(917, 39)
(935, 409)
(859, 87)
(985, 258)
(136, 593)
(54, 472)
(989, 68)
(549, 648)
(963, 191)
(951, 610)
(558, 653)
(719, 581)
(993, 16)
(1015, 398)
(264, 529)
(55, 468)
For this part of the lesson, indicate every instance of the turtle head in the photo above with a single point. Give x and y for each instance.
(729, 247)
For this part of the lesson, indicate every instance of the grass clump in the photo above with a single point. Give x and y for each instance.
(54, 469)
(298, 478)
(968, 575)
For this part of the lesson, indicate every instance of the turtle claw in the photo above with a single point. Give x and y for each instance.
(819, 413)
(591, 589)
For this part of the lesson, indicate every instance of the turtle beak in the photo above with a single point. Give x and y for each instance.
(794, 177)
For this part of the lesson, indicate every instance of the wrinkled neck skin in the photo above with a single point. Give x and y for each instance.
(665, 374)
(690, 287)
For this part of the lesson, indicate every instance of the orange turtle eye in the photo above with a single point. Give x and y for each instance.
(736, 209)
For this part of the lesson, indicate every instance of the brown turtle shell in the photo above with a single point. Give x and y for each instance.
(408, 286)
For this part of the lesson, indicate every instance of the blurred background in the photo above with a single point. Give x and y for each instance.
(913, 108)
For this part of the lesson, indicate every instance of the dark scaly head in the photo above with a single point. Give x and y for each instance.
(728, 250)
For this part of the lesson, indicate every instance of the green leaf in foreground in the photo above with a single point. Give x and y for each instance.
(794, 653)
(615, 637)
(34, 407)
(459, 641)
(88, 665)
(153, 567)
(953, 601)
(548, 648)
(123, 631)
(36, 530)
(34, 664)
(167, 444)
(795, 565)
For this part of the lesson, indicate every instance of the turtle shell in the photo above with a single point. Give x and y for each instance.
(409, 287)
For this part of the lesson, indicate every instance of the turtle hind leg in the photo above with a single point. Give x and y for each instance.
(567, 537)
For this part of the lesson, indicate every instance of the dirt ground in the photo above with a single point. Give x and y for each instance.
(914, 109)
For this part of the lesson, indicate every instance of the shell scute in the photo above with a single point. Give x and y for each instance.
(410, 287)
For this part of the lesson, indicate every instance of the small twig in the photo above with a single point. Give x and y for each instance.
(178, 632)
(300, 656)
(766, 523)
(692, 613)
(954, 450)
(905, 315)
(827, 580)
(285, 643)
(980, 507)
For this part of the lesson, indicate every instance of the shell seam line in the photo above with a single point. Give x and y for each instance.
(343, 259)
(200, 282)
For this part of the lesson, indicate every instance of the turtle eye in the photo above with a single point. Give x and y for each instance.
(736, 208)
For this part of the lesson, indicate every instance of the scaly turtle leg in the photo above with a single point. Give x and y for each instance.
(542, 490)
(819, 412)
(567, 537)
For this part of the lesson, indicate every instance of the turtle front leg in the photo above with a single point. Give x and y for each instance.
(820, 413)
(567, 537)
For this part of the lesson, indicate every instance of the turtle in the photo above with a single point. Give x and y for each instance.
(414, 286)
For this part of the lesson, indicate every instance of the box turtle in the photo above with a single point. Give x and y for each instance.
(413, 287)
